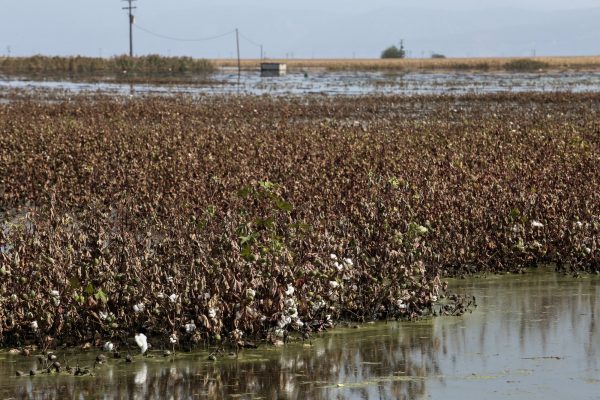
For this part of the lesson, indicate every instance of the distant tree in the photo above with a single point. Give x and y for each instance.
(394, 52)
(437, 55)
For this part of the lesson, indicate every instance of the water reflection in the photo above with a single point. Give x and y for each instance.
(337, 83)
(532, 336)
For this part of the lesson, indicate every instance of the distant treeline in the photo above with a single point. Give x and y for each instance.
(120, 66)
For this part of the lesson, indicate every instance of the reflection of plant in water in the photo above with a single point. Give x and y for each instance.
(524, 314)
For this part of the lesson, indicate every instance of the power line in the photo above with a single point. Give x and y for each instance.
(254, 43)
(204, 39)
(250, 40)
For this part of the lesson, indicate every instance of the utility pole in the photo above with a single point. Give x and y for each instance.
(130, 9)
(237, 40)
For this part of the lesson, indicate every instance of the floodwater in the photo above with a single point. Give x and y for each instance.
(341, 83)
(533, 336)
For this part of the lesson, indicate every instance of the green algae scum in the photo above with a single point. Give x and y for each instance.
(532, 336)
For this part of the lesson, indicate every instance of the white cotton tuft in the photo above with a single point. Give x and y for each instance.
(142, 342)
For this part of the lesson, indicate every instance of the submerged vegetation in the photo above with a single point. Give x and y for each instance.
(232, 218)
(120, 68)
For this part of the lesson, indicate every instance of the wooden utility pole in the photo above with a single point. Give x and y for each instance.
(237, 41)
(130, 9)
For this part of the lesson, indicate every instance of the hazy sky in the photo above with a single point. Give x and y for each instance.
(310, 28)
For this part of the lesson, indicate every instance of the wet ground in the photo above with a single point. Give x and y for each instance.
(533, 336)
(342, 83)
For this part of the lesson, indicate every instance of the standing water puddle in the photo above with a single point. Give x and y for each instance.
(341, 83)
(533, 336)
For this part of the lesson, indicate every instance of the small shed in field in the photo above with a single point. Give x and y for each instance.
(273, 69)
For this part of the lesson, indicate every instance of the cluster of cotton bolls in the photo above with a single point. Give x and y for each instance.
(289, 317)
(345, 263)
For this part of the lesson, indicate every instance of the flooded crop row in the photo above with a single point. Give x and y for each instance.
(339, 83)
(233, 221)
(532, 336)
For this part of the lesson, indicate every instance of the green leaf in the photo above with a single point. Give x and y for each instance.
(246, 239)
(284, 206)
(89, 289)
(74, 282)
(243, 193)
(266, 222)
(515, 213)
(266, 185)
(100, 295)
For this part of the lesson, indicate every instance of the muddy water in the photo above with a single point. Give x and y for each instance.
(534, 336)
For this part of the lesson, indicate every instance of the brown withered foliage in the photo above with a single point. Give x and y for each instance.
(249, 216)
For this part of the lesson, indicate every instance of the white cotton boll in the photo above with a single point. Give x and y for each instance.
(333, 256)
(103, 315)
(579, 224)
(108, 347)
(173, 339)
(348, 262)
(318, 305)
(138, 308)
(290, 303)
(250, 294)
(34, 325)
(212, 313)
(434, 299)
(190, 328)
(537, 224)
(206, 296)
(142, 342)
(283, 321)
(587, 250)
(54, 293)
(401, 305)
(334, 284)
(279, 333)
(237, 334)
(263, 318)
(338, 266)
(160, 295)
(298, 323)
(290, 290)
(173, 298)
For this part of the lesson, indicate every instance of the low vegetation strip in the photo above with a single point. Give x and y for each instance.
(120, 68)
(241, 217)
(480, 64)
